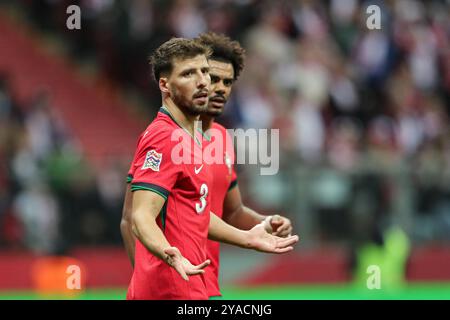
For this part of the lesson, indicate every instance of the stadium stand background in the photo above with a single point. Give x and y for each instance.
(363, 118)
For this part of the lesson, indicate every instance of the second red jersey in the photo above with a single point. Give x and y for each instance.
(224, 180)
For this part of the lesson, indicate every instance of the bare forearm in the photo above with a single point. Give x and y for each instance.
(149, 234)
(128, 239)
(244, 218)
(238, 215)
(125, 225)
(223, 232)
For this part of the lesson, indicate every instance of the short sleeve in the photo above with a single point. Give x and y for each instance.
(153, 168)
(130, 174)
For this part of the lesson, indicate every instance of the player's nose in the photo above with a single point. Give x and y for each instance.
(219, 90)
(203, 81)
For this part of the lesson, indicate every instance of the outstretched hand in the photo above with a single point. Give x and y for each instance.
(182, 265)
(263, 241)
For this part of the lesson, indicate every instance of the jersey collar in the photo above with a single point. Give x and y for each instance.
(165, 111)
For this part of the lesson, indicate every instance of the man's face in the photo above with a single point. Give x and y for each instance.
(189, 84)
(222, 77)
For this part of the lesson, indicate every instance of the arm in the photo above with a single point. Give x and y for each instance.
(257, 238)
(238, 215)
(145, 209)
(223, 232)
(242, 217)
(125, 225)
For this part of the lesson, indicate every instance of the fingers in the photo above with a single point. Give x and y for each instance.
(284, 227)
(174, 259)
(283, 250)
(194, 272)
(203, 265)
(198, 269)
(277, 219)
(285, 242)
(275, 222)
(283, 231)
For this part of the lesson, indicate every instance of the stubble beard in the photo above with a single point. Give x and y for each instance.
(187, 105)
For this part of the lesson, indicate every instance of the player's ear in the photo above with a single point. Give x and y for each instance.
(163, 85)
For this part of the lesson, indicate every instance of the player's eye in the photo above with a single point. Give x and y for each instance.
(214, 79)
(205, 70)
(187, 73)
(228, 82)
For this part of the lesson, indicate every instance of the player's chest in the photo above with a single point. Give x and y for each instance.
(195, 178)
(194, 186)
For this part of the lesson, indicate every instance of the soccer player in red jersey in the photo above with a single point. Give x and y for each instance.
(226, 62)
(169, 211)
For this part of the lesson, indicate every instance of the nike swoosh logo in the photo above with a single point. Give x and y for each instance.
(198, 170)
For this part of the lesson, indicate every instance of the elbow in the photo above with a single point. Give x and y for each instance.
(133, 225)
(231, 217)
(124, 224)
(125, 227)
(127, 224)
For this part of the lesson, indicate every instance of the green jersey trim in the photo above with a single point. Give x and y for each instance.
(164, 110)
(232, 184)
(129, 178)
(150, 187)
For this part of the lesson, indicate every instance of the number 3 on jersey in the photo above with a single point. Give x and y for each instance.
(204, 193)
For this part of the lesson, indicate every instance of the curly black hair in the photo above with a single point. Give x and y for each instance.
(224, 49)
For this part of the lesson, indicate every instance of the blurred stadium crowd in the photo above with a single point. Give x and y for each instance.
(50, 199)
(363, 116)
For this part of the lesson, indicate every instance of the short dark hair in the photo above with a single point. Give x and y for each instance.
(176, 48)
(224, 49)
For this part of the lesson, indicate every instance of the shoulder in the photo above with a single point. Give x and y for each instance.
(218, 126)
(223, 131)
(158, 132)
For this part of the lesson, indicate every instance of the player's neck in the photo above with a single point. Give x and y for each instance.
(207, 121)
(184, 119)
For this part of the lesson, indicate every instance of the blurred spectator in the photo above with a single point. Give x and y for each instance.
(364, 112)
(38, 211)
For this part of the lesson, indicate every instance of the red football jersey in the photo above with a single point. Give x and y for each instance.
(184, 218)
(224, 180)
